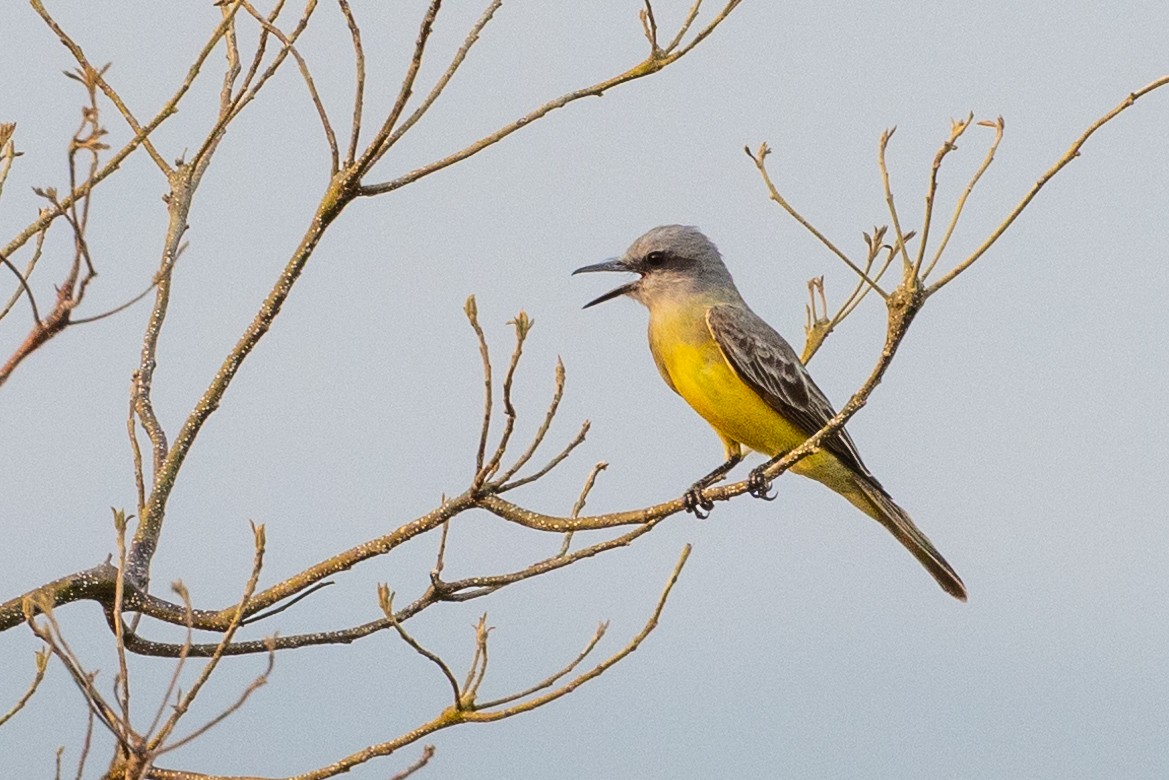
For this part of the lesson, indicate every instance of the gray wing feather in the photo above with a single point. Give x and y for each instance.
(766, 362)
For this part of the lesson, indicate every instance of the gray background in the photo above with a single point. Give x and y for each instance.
(1021, 424)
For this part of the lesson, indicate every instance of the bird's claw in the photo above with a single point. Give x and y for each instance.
(759, 486)
(697, 504)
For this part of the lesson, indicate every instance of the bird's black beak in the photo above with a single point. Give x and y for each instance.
(614, 264)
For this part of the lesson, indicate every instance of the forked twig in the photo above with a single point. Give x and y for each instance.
(555, 677)
(998, 126)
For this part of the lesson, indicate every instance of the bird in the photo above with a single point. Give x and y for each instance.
(746, 381)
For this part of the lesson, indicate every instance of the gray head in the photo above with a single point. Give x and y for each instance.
(670, 260)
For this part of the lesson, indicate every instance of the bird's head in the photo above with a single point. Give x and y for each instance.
(670, 261)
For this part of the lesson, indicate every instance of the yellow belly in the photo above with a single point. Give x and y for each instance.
(694, 366)
(691, 362)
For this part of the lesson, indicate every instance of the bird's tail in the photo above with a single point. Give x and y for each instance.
(876, 503)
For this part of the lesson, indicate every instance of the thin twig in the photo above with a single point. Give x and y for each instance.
(477, 669)
(168, 109)
(51, 635)
(599, 669)
(650, 65)
(261, 48)
(553, 463)
(423, 760)
(448, 74)
(897, 232)
(999, 126)
(579, 505)
(185, 702)
(106, 89)
(377, 146)
(86, 744)
(957, 128)
(472, 311)
(32, 301)
(386, 600)
(184, 653)
(359, 87)
(1072, 153)
(113, 311)
(29, 267)
(555, 677)
(759, 158)
(122, 684)
(523, 325)
(259, 682)
(41, 660)
(691, 15)
(288, 46)
(649, 26)
(542, 431)
(277, 610)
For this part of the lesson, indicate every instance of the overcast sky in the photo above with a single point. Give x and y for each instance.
(1023, 423)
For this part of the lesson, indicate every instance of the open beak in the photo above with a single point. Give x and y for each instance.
(614, 264)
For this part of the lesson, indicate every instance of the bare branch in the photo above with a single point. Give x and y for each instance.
(378, 146)
(359, 87)
(759, 158)
(650, 65)
(386, 601)
(41, 660)
(288, 47)
(998, 126)
(553, 463)
(555, 677)
(106, 89)
(184, 703)
(523, 325)
(448, 74)
(691, 15)
(259, 682)
(957, 128)
(168, 109)
(50, 634)
(599, 669)
(897, 232)
(578, 507)
(1072, 153)
(427, 754)
(472, 311)
(32, 301)
(28, 269)
(542, 431)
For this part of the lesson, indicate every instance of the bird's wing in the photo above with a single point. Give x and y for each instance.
(767, 363)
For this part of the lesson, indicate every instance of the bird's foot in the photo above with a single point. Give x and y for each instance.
(697, 504)
(759, 486)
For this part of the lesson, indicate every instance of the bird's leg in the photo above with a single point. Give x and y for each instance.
(758, 485)
(695, 501)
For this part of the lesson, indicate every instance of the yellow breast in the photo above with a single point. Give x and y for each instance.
(691, 362)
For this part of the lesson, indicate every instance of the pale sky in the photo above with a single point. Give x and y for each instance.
(1022, 423)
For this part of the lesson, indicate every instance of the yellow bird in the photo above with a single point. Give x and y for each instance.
(746, 381)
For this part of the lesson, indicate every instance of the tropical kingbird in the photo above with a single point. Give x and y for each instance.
(746, 381)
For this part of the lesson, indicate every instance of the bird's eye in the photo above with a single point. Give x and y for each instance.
(655, 259)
